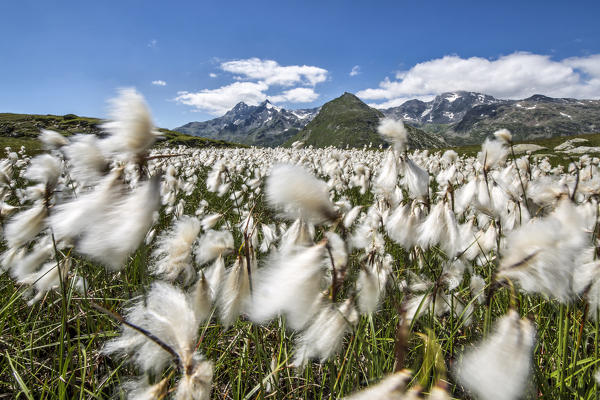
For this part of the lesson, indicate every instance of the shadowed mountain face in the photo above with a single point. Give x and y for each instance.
(262, 125)
(347, 121)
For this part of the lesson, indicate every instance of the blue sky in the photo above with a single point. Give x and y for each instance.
(192, 60)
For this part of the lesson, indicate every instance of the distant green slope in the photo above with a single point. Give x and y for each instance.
(18, 130)
(347, 121)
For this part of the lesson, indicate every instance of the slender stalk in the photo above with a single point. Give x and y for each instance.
(512, 150)
(141, 330)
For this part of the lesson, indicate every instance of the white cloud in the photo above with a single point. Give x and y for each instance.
(399, 101)
(212, 75)
(152, 43)
(297, 95)
(515, 76)
(254, 81)
(219, 101)
(272, 73)
(159, 83)
(355, 70)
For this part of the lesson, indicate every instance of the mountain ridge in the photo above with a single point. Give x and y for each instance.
(348, 121)
(261, 125)
(459, 117)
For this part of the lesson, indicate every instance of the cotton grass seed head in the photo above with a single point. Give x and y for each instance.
(298, 194)
(394, 131)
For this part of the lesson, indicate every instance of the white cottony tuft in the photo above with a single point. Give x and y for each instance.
(214, 277)
(370, 285)
(395, 131)
(131, 128)
(24, 226)
(503, 135)
(499, 367)
(298, 194)
(52, 140)
(477, 287)
(337, 249)
(493, 153)
(290, 285)
(197, 384)
(120, 231)
(212, 245)
(141, 389)
(210, 221)
(70, 220)
(45, 169)
(417, 180)
(324, 335)
(201, 298)
(86, 160)
(388, 175)
(174, 252)
(542, 254)
(351, 215)
(389, 388)
(234, 293)
(168, 315)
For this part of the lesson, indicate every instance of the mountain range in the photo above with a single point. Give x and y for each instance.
(453, 118)
(262, 125)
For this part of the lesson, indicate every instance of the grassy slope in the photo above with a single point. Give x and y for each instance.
(347, 121)
(18, 130)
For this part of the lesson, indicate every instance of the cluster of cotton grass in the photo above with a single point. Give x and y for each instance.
(87, 195)
(531, 226)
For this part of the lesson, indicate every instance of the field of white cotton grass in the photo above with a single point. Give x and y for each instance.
(142, 273)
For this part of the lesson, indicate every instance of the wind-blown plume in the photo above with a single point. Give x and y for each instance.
(290, 286)
(323, 336)
(120, 231)
(298, 194)
(541, 255)
(394, 131)
(212, 245)
(234, 292)
(174, 252)
(131, 129)
(390, 387)
(499, 368)
(167, 314)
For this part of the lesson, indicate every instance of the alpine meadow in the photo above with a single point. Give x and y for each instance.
(299, 200)
(144, 271)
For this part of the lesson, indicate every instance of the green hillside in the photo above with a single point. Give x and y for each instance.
(18, 130)
(347, 121)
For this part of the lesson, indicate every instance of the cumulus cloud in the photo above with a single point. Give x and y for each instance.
(159, 83)
(398, 101)
(272, 73)
(219, 101)
(514, 76)
(355, 70)
(297, 95)
(153, 43)
(255, 80)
